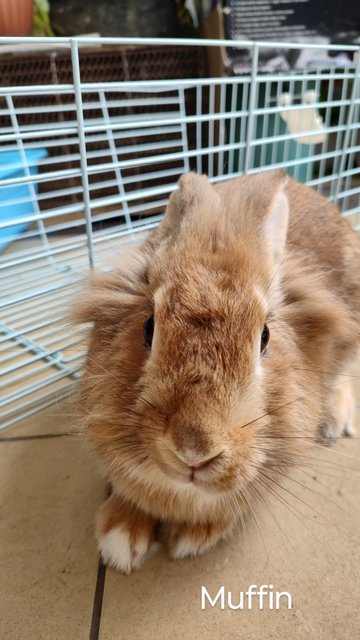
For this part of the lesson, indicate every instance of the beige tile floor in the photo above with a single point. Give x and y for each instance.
(53, 588)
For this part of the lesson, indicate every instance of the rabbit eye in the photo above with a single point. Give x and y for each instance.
(148, 330)
(265, 335)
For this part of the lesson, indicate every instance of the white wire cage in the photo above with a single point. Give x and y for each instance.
(86, 169)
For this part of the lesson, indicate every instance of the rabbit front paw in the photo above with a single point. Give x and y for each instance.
(338, 419)
(124, 535)
(195, 540)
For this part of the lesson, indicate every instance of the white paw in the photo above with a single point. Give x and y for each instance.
(184, 547)
(339, 421)
(119, 551)
(335, 431)
(185, 543)
(349, 430)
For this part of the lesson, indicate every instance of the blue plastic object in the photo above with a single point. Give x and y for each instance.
(11, 166)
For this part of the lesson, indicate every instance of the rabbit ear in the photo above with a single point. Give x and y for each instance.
(258, 208)
(192, 207)
(192, 196)
(275, 230)
(194, 189)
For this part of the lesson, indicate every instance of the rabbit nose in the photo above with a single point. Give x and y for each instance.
(205, 463)
(196, 461)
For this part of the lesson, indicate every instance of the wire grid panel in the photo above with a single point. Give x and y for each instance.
(86, 170)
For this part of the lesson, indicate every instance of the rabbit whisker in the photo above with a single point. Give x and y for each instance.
(290, 507)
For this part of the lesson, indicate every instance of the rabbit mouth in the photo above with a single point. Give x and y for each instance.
(203, 479)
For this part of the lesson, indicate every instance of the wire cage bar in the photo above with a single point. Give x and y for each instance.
(87, 166)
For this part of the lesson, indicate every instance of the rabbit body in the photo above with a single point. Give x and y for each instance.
(195, 426)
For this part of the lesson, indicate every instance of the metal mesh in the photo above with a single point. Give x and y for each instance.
(88, 160)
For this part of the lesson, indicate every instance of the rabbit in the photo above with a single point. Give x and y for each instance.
(217, 355)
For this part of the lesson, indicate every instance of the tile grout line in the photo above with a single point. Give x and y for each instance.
(98, 601)
(45, 436)
(99, 591)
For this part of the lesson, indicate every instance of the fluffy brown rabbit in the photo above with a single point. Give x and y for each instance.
(216, 357)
